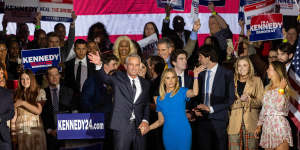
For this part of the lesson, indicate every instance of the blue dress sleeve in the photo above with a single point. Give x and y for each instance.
(158, 108)
(183, 91)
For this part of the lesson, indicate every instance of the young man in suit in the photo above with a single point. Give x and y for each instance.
(59, 100)
(78, 69)
(216, 95)
(6, 113)
(130, 114)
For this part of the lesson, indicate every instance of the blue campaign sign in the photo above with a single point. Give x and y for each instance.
(216, 2)
(80, 126)
(266, 27)
(40, 59)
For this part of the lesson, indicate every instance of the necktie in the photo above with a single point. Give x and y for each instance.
(55, 100)
(206, 102)
(133, 89)
(180, 81)
(78, 74)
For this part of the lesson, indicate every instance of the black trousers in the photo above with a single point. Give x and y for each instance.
(130, 138)
(5, 139)
(209, 135)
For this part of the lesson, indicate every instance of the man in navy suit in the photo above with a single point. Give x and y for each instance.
(59, 100)
(97, 96)
(6, 113)
(216, 95)
(130, 114)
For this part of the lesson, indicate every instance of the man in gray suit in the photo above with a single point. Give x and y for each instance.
(130, 114)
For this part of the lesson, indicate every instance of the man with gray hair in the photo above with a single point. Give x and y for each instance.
(130, 114)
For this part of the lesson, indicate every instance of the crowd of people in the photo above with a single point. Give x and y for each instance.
(173, 94)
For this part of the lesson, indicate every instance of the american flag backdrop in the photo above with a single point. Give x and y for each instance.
(294, 78)
(128, 17)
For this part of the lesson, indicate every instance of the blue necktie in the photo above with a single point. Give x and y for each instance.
(206, 102)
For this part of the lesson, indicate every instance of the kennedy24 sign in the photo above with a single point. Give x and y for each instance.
(266, 27)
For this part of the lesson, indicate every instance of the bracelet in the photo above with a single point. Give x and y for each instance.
(195, 78)
(228, 57)
(37, 27)
(167, 18)
(214, 13)
(284, 41)
(281, 91)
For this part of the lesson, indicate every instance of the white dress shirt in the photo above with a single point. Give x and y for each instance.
(211, 82)
(84, 70)
(137, 93)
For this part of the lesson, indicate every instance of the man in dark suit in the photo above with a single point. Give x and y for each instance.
(130, 114)
(97, 96)
(59, 100)
(216, 95)
(78, 69)
(6, 113)
(179, 62)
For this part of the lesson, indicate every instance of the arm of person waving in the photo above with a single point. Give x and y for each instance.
(95, 58)
(194, 92)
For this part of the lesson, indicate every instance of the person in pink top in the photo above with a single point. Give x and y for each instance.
(275, 128)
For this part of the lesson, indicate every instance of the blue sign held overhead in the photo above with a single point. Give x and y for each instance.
(80, 126)
(40, 59)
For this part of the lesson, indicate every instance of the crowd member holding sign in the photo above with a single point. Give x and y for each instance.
(179, 36)
(149, 29)
(130, 114)
(28, 107)
(170, 106)
(59, 100)
(219, 29)
(245, 110)
(275, 128)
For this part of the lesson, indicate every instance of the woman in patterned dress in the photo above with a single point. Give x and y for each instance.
(276, 131)
(28, 107)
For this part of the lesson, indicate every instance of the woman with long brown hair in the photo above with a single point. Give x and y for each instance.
(245, 109)
(170, 106)
(276, 131)
(28, 107)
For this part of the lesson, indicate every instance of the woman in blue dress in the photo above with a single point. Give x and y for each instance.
(170, 106)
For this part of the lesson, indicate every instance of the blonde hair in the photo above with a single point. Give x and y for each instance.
(251, 72)
(162, 86)
(279, 68)
(117, 43)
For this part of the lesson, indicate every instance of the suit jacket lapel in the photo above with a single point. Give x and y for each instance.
(216, 79)
(73, 68)
(202, 77)
(142, 87)
(129, 87)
